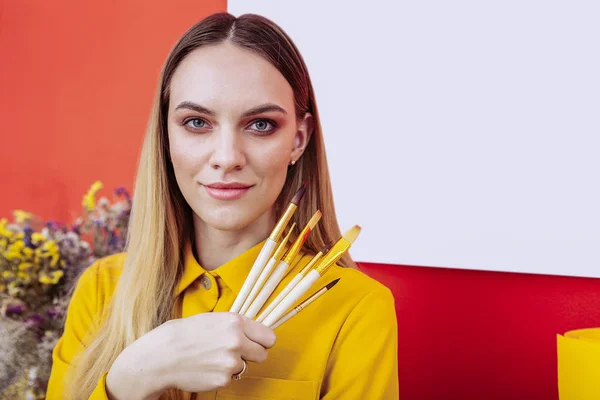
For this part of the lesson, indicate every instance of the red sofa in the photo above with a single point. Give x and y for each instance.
(480, 335)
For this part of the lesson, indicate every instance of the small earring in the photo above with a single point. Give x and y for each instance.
(293, 162)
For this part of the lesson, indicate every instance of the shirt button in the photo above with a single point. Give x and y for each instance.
(205, 282)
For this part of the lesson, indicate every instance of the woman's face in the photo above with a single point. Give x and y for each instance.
(232, 134)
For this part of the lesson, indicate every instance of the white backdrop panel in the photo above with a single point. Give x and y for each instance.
(460, 134)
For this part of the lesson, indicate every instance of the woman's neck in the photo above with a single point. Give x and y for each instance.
(215, 247)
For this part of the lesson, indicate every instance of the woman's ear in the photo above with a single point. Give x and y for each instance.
(303, 134)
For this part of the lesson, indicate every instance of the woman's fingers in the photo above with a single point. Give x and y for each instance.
(258, 333)
(252, 351)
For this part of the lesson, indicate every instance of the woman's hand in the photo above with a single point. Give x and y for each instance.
(195, 354)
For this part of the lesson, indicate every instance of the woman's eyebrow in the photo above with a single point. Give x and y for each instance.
(264, 108)
(253, 111)
(194, 107)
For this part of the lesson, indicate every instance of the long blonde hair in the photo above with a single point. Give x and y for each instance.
(161, 220)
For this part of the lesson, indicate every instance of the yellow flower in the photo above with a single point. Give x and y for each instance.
(14, 250)
(10, 236)
(27, 252)
(3, 243)
(37, 238)
(89, 199)
(13, 255)
(16, 246)
(24, 277)
(54, 261)
(51, 278)
(21, 216)
(7, 274)
(51, 247)
(2, 288)
(13, 290)
(24, 266)
(3, 230)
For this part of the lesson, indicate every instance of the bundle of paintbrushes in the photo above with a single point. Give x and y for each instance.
(273, 264)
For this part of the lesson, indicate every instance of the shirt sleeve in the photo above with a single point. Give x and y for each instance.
(82, 316)
(364, 360)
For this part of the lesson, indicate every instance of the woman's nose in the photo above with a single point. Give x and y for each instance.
(228, 153)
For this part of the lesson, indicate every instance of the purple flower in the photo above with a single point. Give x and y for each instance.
(52, 312)
(113, 239)
(33, 321)
(52, 225)
(14, 309)
(27, 231)
(122, 191)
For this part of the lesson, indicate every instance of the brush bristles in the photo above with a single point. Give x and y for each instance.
(315, 218)
(352, 233)
(300, 193)
(332, 283)
(328, 247)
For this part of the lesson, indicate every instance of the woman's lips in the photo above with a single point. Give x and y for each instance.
(225, 193)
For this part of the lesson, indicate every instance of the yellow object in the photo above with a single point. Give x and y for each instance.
(24, 277)
(281, 247)
(24, 266)
(297, 245)
(89, 199)
(37, 238)
(579, 365)
(52, 278)
(50, 247)
(3, 224)
(8, 274)
(21, 216)
(338, 250)
(342, 347)
(16, 247)
(282, 223)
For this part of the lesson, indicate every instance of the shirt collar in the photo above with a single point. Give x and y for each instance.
(233, 272)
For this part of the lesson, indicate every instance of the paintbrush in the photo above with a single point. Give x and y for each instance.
(304, 304)
(337, 251)
(265, 252)
(282, 268)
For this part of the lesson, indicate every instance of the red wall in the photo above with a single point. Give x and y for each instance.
(474, 335)
(77, 82)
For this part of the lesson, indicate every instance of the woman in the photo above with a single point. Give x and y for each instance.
(233, 134)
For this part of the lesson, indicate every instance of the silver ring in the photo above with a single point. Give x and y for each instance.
(238, 376)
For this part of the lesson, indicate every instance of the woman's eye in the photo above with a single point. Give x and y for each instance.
(262, 126)
(196, 123)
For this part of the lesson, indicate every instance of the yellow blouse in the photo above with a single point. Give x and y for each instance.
(342, 346)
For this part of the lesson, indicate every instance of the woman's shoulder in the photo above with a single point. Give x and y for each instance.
(358, 278)
(97, 283)
(357, 287)
(104, 271)
(355, 292)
